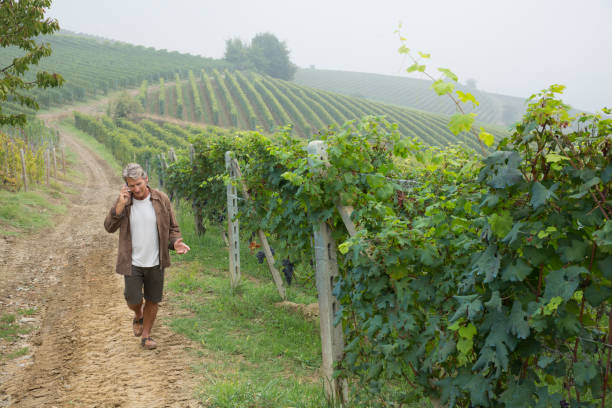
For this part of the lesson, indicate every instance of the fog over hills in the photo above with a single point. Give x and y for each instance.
(511, 48)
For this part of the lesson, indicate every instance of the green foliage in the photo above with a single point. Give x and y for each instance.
(238, 54)
(22, 21)
(142, 95)
(482, 281)
(179, 96)
(266, 54)
(162, 97)
(93, 67)
(198, 110)
(270, 56)
(125, 106)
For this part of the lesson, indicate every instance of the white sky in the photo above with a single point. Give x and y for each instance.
(512, 47)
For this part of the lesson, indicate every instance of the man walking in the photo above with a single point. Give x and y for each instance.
(147, 229)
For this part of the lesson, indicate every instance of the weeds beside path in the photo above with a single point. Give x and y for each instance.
(254, 351)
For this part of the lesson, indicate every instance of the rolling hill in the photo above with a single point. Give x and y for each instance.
(502, 110)
(205, 90)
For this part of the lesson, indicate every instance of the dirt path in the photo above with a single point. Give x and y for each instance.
(81, 351)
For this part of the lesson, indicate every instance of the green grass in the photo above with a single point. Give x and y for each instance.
(254, 354)
(31, 311)
(67, 125)
(29, 211)
(17, 353)
(9, 327)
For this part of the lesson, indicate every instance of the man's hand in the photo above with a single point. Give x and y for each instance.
(180, 247)
(124, 198)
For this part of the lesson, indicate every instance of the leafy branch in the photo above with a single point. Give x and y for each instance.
(461, 121)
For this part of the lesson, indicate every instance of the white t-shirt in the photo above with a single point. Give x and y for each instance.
(145, 239)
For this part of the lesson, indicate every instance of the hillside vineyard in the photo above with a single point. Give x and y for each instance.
(204, 90)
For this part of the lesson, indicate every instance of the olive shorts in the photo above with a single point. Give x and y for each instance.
(150, 279)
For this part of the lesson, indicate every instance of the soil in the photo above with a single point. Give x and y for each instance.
(81, 351)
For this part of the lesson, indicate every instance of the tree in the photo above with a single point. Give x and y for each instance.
(237, 52)
(20, 23)
(266, 54)
(271, 56)
(124, 106)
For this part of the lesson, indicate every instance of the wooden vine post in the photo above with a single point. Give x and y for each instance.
(278, 281)
(326, 265)
(23, 170)
(54, 163)
(232, 223)
(63, 161)
(46, 158)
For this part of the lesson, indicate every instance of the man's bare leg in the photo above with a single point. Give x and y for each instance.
(150, 312)
(138, 314)
(137, 309)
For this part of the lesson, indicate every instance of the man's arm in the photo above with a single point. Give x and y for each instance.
(117, 211)
(113, 219)
(176, 241)
(175, 231)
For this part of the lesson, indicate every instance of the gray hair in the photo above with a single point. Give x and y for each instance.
(133, 171)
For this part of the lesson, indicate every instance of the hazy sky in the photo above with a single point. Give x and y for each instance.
(512, 47)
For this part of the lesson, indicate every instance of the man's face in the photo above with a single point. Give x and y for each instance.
(138, 187)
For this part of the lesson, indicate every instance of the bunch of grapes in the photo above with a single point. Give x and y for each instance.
(288, 270)
(564, 404)
(261, 255)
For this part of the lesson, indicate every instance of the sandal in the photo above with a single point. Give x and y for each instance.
(148, 343)
(137, 326)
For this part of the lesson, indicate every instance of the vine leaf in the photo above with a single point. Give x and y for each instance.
(518, 321)
(605, 265)
(596, 294)
(575, 251)
(555, 158)
(584, 372)
(501, 224)
(442, 88)
(518, 395)
(416, 68)
(470, 304)
(513, 234)
(540, 194)
(497, 344)
(495, 303)
(563, 282)
(479, 387)
(449, 74)
(461, 122)
(603, 237)
(516, 271)
(487, 263)
(467, 97)
(501, 169)
(486, 137)
(606, 174)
